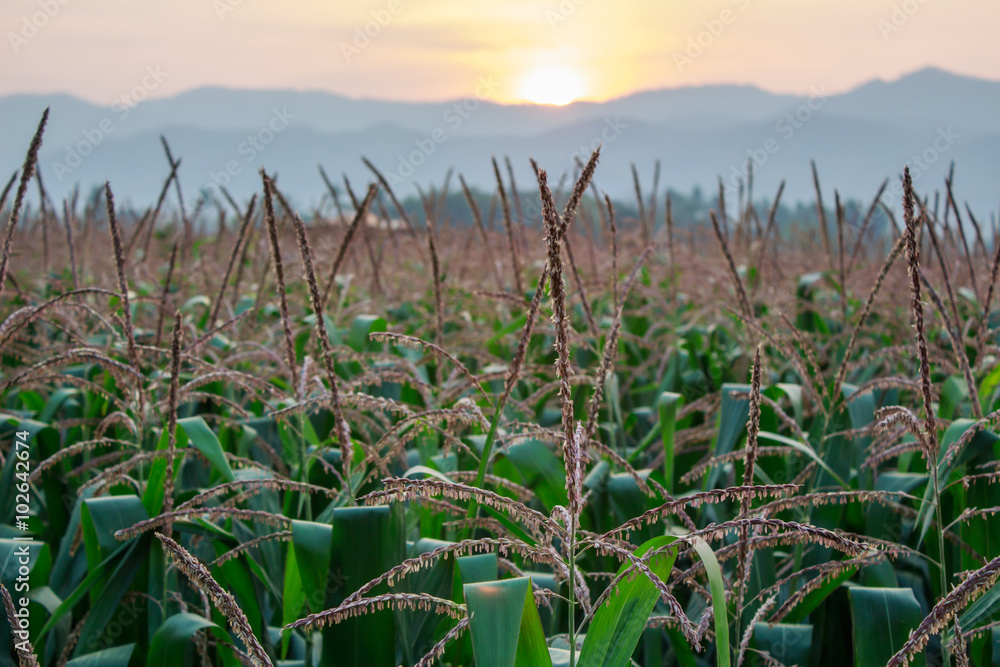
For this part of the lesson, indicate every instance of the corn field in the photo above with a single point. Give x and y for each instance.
(377, 439)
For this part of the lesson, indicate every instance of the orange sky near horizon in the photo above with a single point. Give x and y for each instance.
(549, 51)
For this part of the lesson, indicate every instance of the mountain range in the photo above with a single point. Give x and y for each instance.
(926, 119)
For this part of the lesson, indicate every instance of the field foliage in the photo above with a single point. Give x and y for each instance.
(355, 436)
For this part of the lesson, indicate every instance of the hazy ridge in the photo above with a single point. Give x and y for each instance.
(857, 138)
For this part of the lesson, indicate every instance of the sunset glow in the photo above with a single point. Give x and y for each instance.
(543, 52)
(552, 85)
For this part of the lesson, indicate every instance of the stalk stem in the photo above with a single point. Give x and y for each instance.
(572, 591)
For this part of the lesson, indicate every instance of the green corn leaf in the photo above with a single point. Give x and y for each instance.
(882, 619)
(531, 463)
(954, 392)
(204, 440)
(504, 624)
(805, 449)
(618, 623)
(118, 656)
(37, 431)
(682, 650)
(733, 415)
(477, 568)
(627, 500)
(667, 405)
(367, 541)
(815, 598)
(981, 442)
(718, 601)
(39, 563)
(104, 516)
(100, 519)
(294, 597)
(153, 494)
(787, 643)
(172, 645)
(102, 608)
(981, 611)
(312, 542)
(473, 569)
(361, 327)
(93, 576)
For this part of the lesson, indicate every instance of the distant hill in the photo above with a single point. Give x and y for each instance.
(857, 138)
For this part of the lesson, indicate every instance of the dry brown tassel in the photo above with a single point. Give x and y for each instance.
(279, 273)
(848, 353)
(241, 235)
(916, 303)
(436, 271)
(766, 237)
(741, 290)
(26, 171)
(175, 373)
(188, 238)
(262, 272)
(22, 646)
(151, 225)
(557, 290)
(515, 262)
(961, 232)
(366, 234)
(163, 296)
(840, 255)
(866, 222)
(750, 461)
(67, 223)
(399, 207)
(342, 429)
(202, 579)
(477, 218)
(116, 241)
(359, 215)
(723, 215)
(643, 222)
(824, 230)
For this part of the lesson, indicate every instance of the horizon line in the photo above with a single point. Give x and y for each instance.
(523, 103)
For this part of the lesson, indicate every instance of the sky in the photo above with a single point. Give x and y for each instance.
(543, 51)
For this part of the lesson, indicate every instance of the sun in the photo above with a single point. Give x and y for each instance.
(554, 85)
